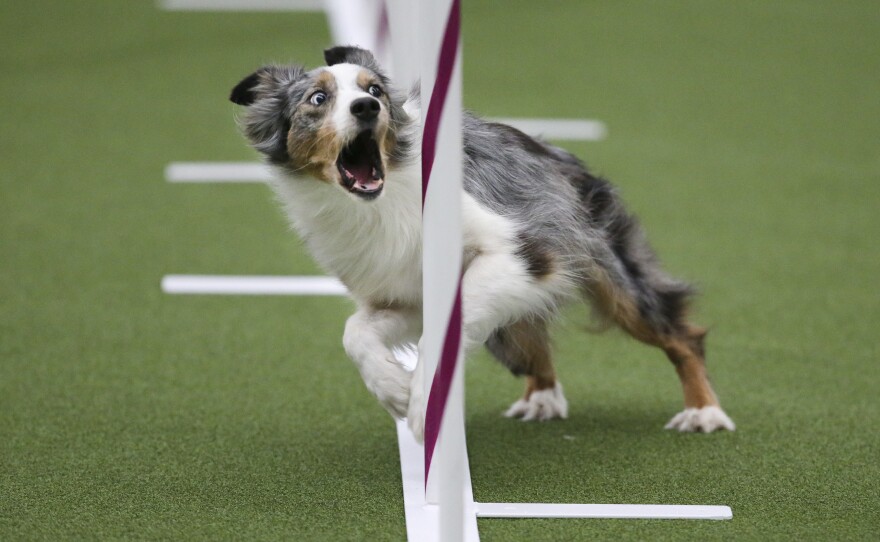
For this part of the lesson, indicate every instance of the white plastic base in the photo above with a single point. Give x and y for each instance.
(607, 511)
(251, 285)
(422, 519)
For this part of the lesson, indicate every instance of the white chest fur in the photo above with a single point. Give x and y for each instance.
(374, 247)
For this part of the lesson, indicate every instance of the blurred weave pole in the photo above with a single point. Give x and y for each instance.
(439, 23)
(437, 40)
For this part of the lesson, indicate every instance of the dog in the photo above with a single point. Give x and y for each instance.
(539, 231)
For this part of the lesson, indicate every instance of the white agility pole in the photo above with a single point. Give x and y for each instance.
(363, 23)
(441, 345)
(404, 34)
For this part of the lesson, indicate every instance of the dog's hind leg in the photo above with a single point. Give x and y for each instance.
(657, 316)
(627, 286)
(524, 348)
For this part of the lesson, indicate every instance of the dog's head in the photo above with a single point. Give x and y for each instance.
(340, 124)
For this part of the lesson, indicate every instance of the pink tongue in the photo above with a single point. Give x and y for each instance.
(364, 176)
(361, 172)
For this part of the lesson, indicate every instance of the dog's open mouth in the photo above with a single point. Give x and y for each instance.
(360, 166)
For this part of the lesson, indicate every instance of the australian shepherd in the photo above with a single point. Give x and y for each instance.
(539, 230)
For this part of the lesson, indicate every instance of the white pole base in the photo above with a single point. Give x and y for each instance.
(217, 172)
(423, 520)
(602, 511)
(251, 285)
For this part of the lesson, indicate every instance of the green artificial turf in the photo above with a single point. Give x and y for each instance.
(744, 134)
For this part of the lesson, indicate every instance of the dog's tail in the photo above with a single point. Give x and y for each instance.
(629, 287)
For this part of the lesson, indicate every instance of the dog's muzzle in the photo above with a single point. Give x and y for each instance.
(360, 162)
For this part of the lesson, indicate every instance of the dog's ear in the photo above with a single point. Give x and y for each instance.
(266, 92)
(265, 82)
(244, 93)
(351, 55)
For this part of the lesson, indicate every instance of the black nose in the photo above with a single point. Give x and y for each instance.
(365, 108)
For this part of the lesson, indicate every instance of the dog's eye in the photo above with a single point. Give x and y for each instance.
(375, 91)
(318, 98)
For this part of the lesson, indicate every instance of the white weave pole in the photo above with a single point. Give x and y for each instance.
(363, 23)
(445, 451)
(403, 27)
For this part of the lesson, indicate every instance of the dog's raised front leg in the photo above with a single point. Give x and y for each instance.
(369, 336)
(415, 415)
(496, 289)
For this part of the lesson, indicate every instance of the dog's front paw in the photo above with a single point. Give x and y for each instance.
(415, 419)
(701, 420)
(540, 405)
(394, 402)
(415, 415)
(392, 390)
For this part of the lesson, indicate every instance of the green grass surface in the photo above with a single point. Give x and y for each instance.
(744, 134)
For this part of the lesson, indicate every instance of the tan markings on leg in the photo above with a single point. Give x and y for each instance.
(536, 383)
(531, 346)
(684, 349)
(620, 308)
(686, 353)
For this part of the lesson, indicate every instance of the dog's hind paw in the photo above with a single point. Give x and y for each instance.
(540, 405)
(701, 420)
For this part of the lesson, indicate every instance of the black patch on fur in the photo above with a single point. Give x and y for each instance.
(516, 137)
(621, 230)
(337, 55)
(673, 306)
(661, 303)
(600, 200)
(539, 263)
(596, 194)
(279, 154)
(243, 93)
(352, 55)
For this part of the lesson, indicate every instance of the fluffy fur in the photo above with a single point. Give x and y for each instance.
(539, 231)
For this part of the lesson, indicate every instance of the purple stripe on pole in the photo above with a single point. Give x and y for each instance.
(442, 380)
(382, 30)
(448, 50)
(452, 340)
